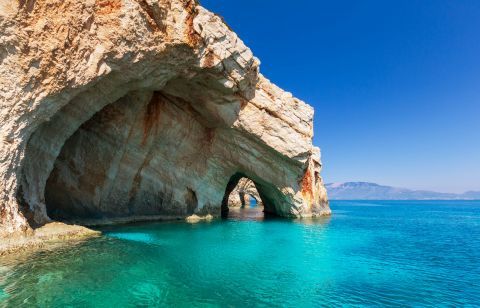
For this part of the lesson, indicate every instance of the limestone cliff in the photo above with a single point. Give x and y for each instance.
(118, 108)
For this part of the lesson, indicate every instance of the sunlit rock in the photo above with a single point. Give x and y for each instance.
(135, 108)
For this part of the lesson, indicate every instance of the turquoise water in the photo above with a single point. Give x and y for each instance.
(371, 253)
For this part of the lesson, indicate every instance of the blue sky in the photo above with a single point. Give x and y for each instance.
(395, 84)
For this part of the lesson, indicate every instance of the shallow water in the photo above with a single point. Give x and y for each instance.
(369, 253)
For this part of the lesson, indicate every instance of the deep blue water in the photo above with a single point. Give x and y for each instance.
(371, 253)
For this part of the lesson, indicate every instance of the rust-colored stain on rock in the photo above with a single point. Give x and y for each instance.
(307, 186)
(70, 59)
(104, 7)
(191, 35)
(27, 5)
(209, 135)
(153, 22)
(152, 115)
(209, 59)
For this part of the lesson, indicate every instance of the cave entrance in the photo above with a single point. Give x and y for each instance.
(118, 164)
(243, 200)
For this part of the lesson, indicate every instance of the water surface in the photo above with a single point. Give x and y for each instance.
(373, 253)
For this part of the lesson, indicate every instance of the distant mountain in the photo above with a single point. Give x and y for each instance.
(472, 195)
(372, 191)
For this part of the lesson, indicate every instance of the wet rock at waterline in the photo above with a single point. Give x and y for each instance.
(126, 108)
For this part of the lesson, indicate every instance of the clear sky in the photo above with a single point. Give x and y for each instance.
(395, 84)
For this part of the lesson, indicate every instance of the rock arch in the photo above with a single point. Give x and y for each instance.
(173, 75)
(243, 193)
(267, 193)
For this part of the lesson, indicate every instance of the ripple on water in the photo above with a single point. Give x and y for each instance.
(137, 237)
(396, 255)
(3, 295)
(146, 294)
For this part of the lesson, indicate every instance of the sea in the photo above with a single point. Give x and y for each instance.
(367, 254)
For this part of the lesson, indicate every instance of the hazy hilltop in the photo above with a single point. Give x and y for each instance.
(373, 191)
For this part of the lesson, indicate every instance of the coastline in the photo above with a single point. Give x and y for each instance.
(50, 234)
(59, 233)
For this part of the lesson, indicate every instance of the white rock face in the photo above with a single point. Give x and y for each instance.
(117, 108)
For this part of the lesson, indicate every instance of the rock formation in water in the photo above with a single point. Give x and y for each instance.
(240, 196)
(127, 108)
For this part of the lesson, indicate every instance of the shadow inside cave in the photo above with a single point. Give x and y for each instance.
(243, 201)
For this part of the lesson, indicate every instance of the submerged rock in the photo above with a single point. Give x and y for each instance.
(50, 235)
(133, 108)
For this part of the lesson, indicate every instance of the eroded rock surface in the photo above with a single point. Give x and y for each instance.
(240, 196)
(117, 108)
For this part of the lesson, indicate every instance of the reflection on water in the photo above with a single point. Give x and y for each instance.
(256, 213)
(317, 221)
(400, 254)
(246, 213)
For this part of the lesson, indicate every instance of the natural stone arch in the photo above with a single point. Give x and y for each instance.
(243, 193)
(53, 82)
(236, 185)
(275, 201)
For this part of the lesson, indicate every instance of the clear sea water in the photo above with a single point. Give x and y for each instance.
(369, 253)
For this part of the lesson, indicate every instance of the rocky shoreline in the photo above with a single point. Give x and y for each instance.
(51, 234)
(160, 118)
(62, 233)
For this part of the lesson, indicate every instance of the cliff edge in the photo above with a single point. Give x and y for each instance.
(124, 108)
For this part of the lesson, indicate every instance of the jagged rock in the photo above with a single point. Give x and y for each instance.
(240, 196)
(117, 108)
